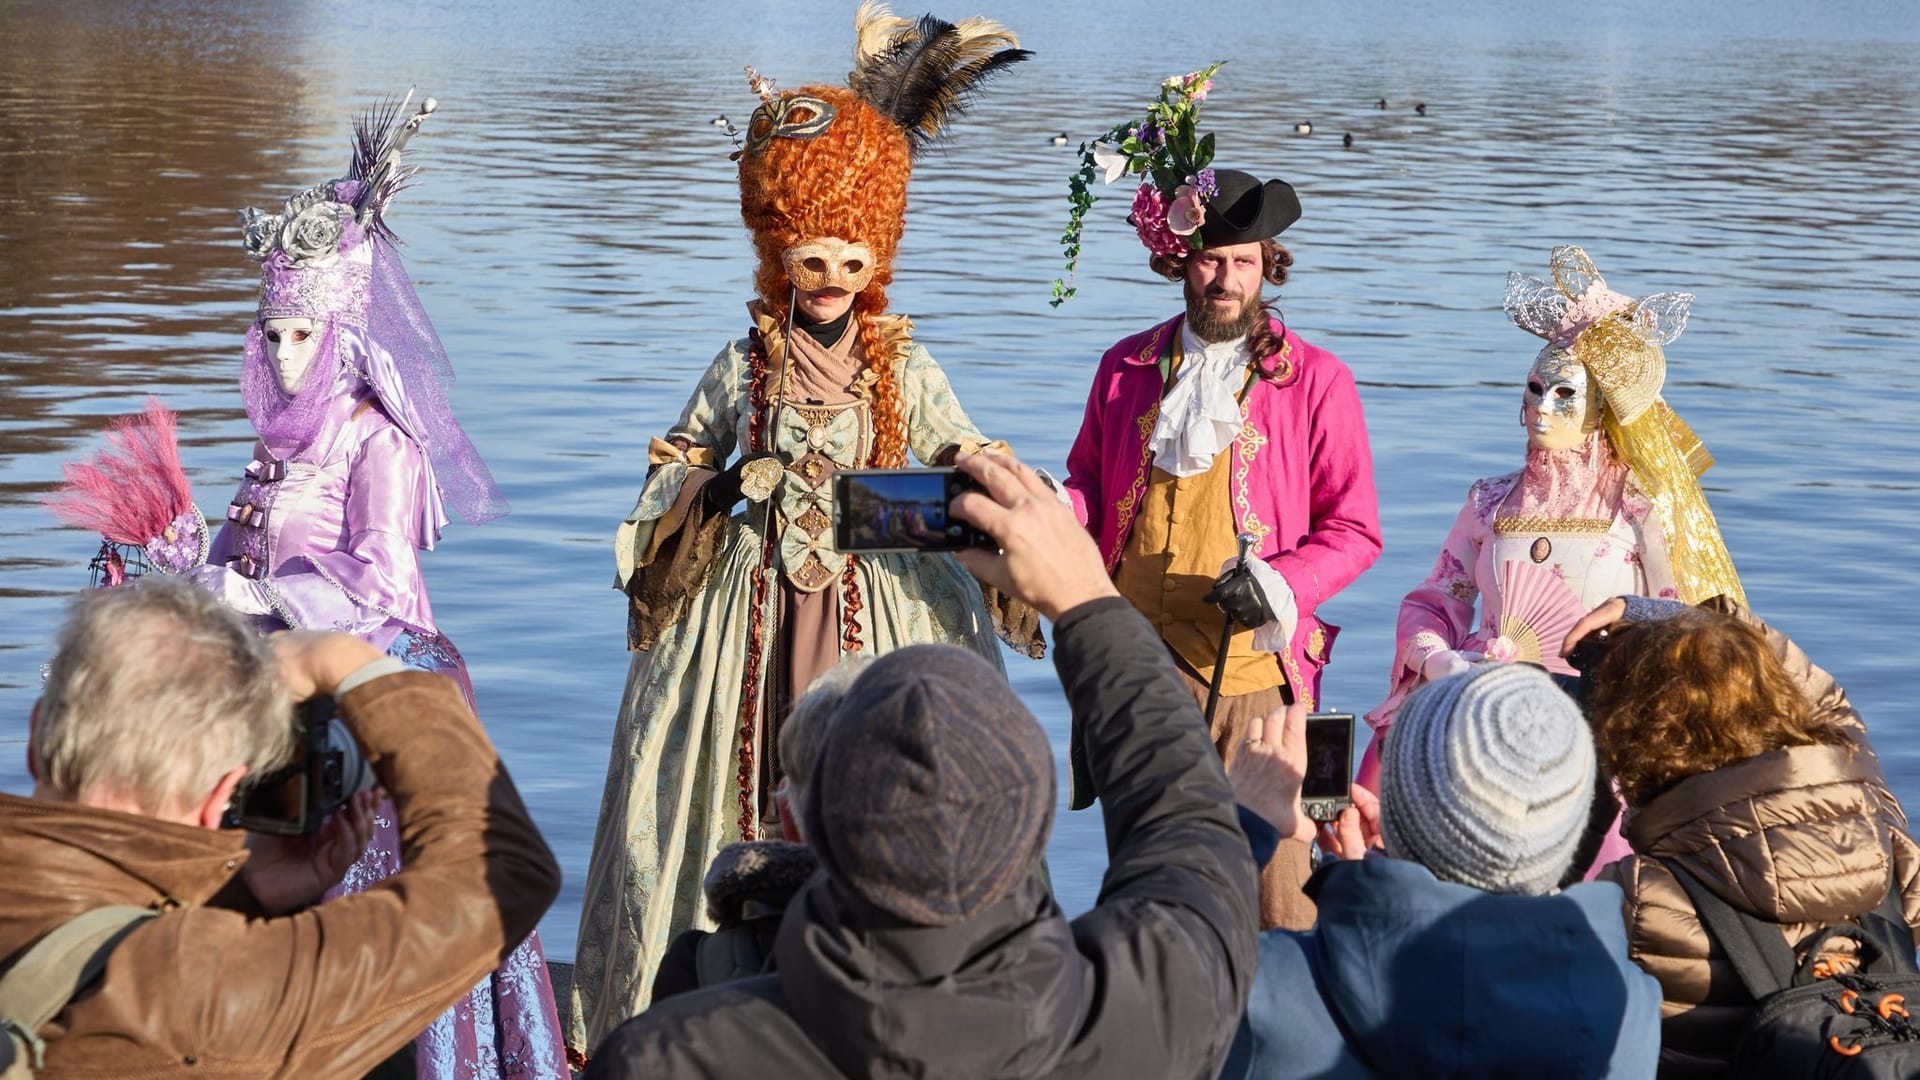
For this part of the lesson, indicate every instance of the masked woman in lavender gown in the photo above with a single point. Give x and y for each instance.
(1607, 503)
(731, 615)
(359, 459)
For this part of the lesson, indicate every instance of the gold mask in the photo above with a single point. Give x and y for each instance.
(829, 262)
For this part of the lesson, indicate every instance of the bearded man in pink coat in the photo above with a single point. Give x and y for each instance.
(1220, 422)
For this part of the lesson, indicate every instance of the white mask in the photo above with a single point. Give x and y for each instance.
(291, 345)
(1561, 407)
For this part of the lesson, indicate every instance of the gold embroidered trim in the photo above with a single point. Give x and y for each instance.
(1282, 364)
(1301, 691)
(1246, 447)
(1530, 526)
(1124, 509)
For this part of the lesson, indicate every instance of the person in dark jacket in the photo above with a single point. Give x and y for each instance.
(930, 946)
(1455, 956)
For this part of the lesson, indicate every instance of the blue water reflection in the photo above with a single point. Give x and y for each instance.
(575, 236)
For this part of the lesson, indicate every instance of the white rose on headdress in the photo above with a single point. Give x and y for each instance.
(295, 205)
(313, 237)
(258, 230)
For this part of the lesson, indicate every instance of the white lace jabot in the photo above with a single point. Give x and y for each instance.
(1200, 416)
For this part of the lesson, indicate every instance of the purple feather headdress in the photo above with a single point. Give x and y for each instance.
(330, 256)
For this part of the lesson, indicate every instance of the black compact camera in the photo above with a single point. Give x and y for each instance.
(1585, 657)
(327, 769)
(902, 510)
(1327, 788)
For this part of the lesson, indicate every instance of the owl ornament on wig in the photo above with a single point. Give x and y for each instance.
(1607, 504)
(737, 595)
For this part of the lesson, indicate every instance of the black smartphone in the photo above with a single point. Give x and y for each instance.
(901, 510)
(1327, 788)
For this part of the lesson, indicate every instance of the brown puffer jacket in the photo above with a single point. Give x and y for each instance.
(212, 989)
(1804, 837)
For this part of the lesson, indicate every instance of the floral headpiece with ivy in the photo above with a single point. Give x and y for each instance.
(1174, 159)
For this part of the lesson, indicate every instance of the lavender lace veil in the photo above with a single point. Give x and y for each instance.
(329, 256)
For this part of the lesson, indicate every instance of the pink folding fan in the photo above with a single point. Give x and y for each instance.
(1536, 611)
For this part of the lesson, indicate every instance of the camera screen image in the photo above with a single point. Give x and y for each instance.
(896, 510)
(1329, 757)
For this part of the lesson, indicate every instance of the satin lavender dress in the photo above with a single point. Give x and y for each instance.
(332, 535)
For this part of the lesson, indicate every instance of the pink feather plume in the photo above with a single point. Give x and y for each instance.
(132, 490)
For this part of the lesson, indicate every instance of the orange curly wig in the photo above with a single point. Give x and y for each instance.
(805, 176)
(849, 182)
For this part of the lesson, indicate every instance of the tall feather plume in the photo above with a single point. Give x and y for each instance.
(923, 75)
(875, 28)
(132, 490)
(378, 137)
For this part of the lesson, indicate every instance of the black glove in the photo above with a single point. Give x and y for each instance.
(722, 492)
(1236, 593)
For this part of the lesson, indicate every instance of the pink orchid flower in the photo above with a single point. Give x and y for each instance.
(1187, 213)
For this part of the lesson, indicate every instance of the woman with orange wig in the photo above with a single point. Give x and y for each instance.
(1744, 767)
(732, 615)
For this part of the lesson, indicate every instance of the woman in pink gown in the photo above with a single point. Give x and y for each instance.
(1606, 504)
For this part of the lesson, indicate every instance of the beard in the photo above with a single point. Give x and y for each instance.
(1209, 325)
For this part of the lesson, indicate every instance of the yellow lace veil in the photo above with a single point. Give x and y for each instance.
(1619, 341)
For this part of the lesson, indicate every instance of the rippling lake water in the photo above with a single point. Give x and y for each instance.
(575, 236)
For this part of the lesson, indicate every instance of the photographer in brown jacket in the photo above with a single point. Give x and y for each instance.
(158, 704)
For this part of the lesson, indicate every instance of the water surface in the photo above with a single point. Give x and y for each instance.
(575, 236)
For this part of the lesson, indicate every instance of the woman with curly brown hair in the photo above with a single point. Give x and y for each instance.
(1742, 764)
(732, 615)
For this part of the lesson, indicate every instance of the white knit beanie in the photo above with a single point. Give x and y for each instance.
(1487, 780)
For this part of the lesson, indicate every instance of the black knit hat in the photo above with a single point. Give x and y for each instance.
(1247, 211)
(933, 788)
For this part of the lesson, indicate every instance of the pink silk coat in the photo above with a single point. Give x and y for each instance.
(1302, 474)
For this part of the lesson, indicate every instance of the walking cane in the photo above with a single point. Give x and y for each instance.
(1246, 541)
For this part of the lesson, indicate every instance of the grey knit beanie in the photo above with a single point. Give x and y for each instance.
(1487, 779)
(933, 787)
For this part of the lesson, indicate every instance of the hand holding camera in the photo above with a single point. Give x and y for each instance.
(907, 510)
(1600, 617)
(287, 873)
(1044, 556)
(314, 663)
(1357, 830)
(1295, 769)
(1269, 769)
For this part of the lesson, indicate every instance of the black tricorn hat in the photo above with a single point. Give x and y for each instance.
(1247, 211)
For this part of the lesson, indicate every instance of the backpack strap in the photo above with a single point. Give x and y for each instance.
(59, 966)
(1887, 925)
(1756, 948)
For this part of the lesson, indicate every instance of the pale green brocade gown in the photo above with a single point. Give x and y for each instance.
(672, 794)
